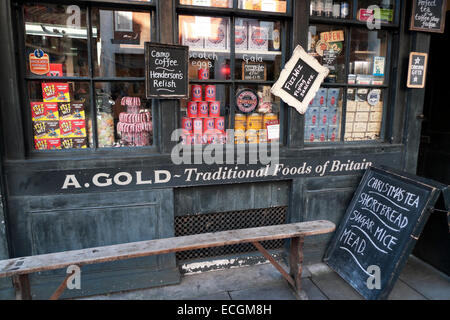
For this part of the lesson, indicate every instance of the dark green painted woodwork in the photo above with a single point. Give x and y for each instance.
(59, 223)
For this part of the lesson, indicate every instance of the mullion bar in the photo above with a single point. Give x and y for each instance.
(347, 71)
(232, 68)
(93, 111)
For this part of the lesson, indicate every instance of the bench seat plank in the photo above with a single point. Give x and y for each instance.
(52, 261)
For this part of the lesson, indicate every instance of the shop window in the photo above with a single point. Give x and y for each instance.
(208, 3)
(233, 94)
(263, 5)
(86, 86)
(351, 104)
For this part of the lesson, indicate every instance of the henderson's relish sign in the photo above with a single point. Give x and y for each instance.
(379, 230)
(300, 80)
(166, 75)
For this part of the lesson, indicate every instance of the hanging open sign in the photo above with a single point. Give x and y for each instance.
(300, 80)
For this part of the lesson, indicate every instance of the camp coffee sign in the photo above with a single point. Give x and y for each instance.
(428, 15)
(166, 75)
(379, 230)
(300, 80)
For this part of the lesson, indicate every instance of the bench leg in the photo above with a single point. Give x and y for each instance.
(22, 287)
(61, 288)
(296, 265)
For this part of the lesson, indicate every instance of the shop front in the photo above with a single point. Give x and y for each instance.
(89, 160)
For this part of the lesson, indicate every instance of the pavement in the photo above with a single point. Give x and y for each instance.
(418, 281)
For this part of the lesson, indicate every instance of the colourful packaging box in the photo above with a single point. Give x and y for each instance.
(74, 143)
(44, 111)
(312, 116)
(323, 119)
(72, 128)
(333, 116)
(55, 92)
(333, 133)
(322, 97)
(311, 134)
(46, 129)
(332, 97)
(47, 144)
(241, 36)
(71, 111)
(323, 133)
(258, 37)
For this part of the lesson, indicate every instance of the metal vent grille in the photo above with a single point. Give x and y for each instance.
(213, 222)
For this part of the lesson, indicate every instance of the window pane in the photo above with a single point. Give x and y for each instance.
(208, 3)
(209, 46)
(256, 109)
(380, 9)
(323, 116)
(124, 116)
(56, 40)
(59, 111)
(331, 9)
(364, 114)
(327, 44)
(368, 51)
(258, 50)
(204, 114)
(263, 5)
(118, 43)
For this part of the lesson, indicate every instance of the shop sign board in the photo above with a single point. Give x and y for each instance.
(417, 70)
(300, 80)
(166, 74)
(379, 230)
(428, 15)
(186, 175)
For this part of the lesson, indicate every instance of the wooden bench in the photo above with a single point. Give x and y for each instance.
(20, 268)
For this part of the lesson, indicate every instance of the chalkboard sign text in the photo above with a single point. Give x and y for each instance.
(380, 228)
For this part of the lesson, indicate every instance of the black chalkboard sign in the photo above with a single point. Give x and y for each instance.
(166, 75)
(428, 15)
(300, 80)
(417, 70)
(379, 230)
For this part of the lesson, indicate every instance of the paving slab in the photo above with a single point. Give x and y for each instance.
(402, 291)
(426, 280)
(216, 296)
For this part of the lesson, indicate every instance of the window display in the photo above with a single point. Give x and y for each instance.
(124, 116)
(208, 3)
(263, 5)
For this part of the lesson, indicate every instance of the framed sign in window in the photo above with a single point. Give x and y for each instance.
(417, 70)
(166, 74)
(428, 16)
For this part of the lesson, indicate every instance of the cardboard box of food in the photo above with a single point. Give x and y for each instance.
(46, 129)
(74, 143)
(312, 116)
(217, 38)
(71, 111)
(241, 36)
(333, 133)
(55, 92)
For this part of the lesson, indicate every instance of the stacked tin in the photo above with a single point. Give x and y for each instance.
(203, 124)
